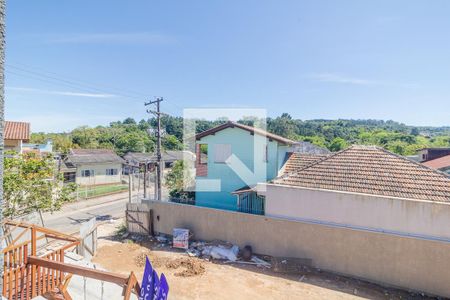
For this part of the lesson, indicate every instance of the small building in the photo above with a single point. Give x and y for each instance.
(232, 158)
(426, 154)
(364, 188)
(169, 157)
(442, 164)
(92, 167)
(15, 134)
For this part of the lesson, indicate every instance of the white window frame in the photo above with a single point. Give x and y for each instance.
(221, 153)
(91, 173)
(112, 172)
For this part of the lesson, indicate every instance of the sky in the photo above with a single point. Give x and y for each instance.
(73, 63)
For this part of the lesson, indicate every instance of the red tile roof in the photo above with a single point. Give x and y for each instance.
(438, 163)
(372, 170)
(297, 161)
(250, 129)
(16, 131)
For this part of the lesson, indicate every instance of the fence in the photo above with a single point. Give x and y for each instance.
(404, 262)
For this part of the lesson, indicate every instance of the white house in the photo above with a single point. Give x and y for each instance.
(92, 167)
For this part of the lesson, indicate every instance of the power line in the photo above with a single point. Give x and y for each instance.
(44, 72)
(80, 83)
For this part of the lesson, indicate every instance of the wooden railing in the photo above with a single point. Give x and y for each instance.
(25, 275)
(22, 280)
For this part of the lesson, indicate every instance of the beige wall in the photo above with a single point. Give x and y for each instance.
(409, 263)
(100, 174)
(15, 145)
(401, 216)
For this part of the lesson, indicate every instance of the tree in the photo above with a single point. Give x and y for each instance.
(177, 179)
(338, 144)
(32, 183)
(170, 142)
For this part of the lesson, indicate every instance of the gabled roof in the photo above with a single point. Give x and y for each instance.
(87, 156)
(16, 131)
(297, 161)
(250, 129)
(372, 170)
(438, 163)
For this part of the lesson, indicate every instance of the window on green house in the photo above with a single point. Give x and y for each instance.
(203, 159)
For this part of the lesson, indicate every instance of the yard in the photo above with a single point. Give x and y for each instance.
(96, 191)
(194, 278)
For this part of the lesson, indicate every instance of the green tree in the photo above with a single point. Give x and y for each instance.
(338, 144)
(170, 142)
(177, 179)
(32, 183)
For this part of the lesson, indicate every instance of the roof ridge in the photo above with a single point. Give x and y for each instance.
(415, 162)
(312, 164)
(253, 129)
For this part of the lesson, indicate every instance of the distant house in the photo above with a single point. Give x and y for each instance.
(232, 158)
(432, 153)
(137, 159)
(441, 164)
(92, 167)
(38, 148)
(15, 134)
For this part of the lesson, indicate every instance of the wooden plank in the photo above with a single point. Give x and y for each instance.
(78, 270)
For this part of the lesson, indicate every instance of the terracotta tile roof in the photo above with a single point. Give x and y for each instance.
(16, 131)
(297, 161)
(438, 163)
(250, 129)
(372, 170)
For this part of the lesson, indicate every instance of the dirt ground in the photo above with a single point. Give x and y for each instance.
(194, 278)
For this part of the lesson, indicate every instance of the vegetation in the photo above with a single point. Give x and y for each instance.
(335, 135)
(31, 183)
(96, 191)
(177, 179)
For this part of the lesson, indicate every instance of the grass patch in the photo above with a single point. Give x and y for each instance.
(95, 191)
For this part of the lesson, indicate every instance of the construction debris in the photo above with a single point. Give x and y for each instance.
(290, 265)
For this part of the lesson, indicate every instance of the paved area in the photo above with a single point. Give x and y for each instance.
(69, 219)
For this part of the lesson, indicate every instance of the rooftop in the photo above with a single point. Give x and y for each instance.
(297, 161)
(371, 170)
(16, 131)
(250, 129)
(438, 163)
(167, 156)
(86, 156)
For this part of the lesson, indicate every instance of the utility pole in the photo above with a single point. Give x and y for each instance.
(157, 113)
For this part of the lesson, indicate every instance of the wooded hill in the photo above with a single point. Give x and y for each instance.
(129, 135)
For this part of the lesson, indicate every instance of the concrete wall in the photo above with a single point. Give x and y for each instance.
(242, 146)
(402, 216)
(100, 174)
(409, 263)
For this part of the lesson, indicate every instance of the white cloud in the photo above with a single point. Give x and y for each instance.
(343, 79)
(337, 78)
(114, 38)
(62, 93)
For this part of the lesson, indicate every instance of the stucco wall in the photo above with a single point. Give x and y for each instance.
(392, 260)
(242, 145)
(100, 174)
(403, 216)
